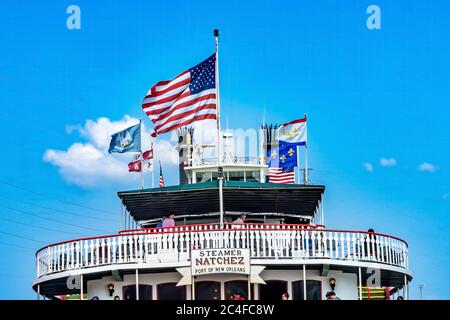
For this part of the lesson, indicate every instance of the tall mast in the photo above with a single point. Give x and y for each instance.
(219, 144)
(142, 156)
(306, 154)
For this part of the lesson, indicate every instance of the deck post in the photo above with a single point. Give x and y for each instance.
(304, 282)
(121, 215)
(38, 291)
(81, 287)
(405, 288)
(249, 288)
(221, 201)
(322, 210)
(137, 284)
(360, 284)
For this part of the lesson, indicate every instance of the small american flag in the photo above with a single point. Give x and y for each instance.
(161, 178)
(281, 175)
(188, 98)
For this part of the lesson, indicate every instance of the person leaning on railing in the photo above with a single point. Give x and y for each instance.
(241, 219)
(169, 221)
(239, 222)
(368, 243)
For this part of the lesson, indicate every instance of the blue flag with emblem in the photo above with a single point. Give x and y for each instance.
(128, 140)
(283, 156)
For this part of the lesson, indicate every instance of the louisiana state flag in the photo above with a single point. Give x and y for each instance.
(128, 140)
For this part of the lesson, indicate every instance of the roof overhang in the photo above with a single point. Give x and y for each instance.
(203, 198)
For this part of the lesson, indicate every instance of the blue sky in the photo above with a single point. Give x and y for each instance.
(369, 94)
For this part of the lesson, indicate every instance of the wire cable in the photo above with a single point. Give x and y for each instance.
(50, 219)
(41, 227)
(63, 201)
(3, 243)
(21, 237)
(53, 209)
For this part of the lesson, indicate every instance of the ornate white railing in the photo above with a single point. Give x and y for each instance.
(265, 241)
(226, 160)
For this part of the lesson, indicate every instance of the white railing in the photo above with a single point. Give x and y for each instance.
(226, 160)
(265, 241)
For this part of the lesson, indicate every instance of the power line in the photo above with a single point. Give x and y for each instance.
(85, 207)
(53, 209)
(39, 227)
(16, 245)
(63, 201)
(50, 219)
(21, 237)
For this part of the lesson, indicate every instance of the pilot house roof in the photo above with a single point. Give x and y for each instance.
(202, 198)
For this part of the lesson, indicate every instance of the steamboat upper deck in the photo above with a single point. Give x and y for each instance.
(283, 239)
(280, 235)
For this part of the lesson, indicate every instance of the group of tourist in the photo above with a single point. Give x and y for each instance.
(169, 221)
(331, 295)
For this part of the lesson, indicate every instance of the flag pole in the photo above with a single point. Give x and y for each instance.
(298, 165)
(153, 167)
(142, 156)
(219, 145)
(306, 154)
(161, 175)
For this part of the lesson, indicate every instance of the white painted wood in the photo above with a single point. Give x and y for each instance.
(266, 242)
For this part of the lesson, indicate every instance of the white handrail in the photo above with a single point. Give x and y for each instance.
(154, 246)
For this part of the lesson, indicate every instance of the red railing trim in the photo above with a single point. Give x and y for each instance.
(226, 223)
(163, 230)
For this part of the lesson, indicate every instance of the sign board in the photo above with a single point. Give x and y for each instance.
(207, 261)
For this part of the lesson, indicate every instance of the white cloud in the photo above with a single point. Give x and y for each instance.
(85, 165)
(88, 163)
(427, 167)
(368, 166)
(388, 162)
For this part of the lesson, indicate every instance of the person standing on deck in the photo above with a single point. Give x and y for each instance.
(169, 221)
(237, 296)
(241, 219)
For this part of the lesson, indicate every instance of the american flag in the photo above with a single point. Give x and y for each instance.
(161, 178)
(281, 175)
(188, 98)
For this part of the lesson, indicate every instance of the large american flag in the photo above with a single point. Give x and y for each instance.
(281, 175)
(189, 97)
